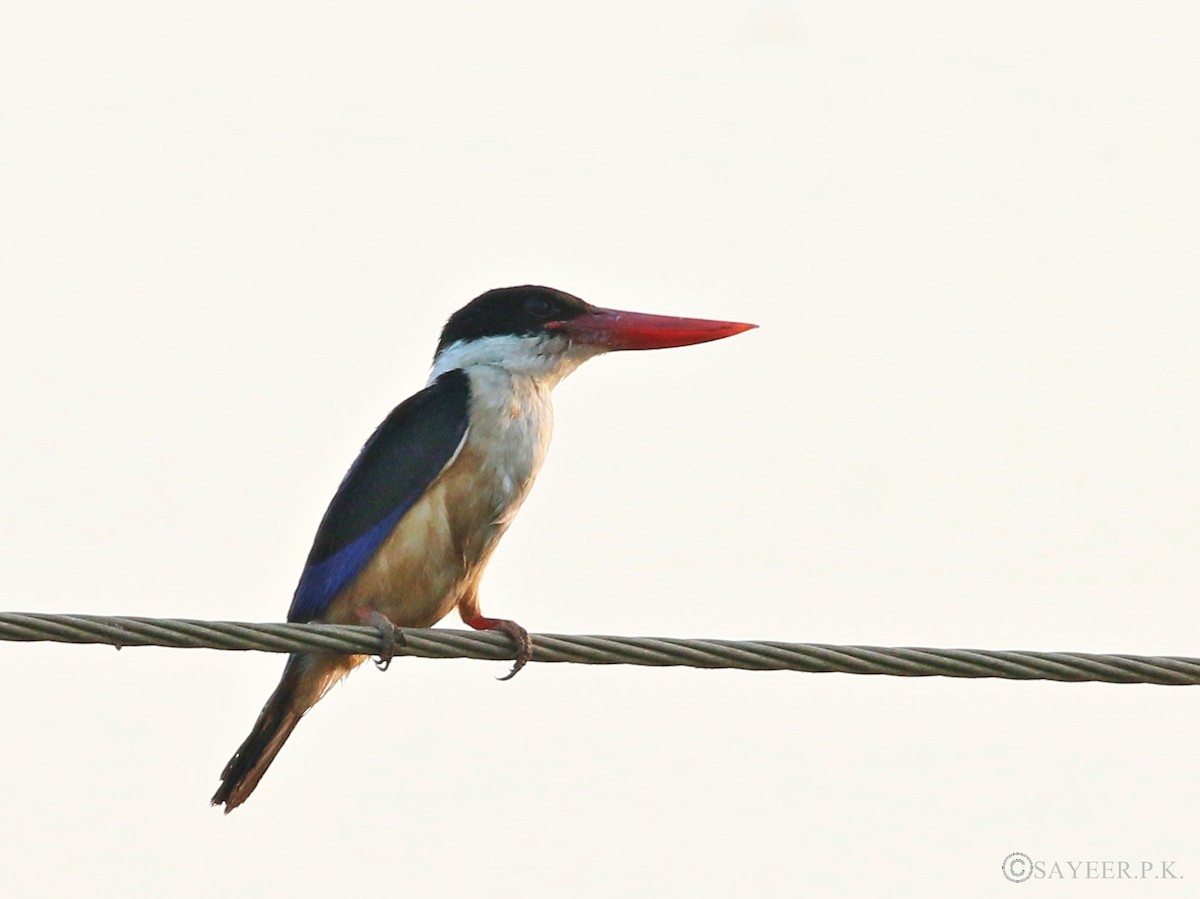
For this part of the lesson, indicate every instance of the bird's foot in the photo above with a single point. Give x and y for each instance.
(389, 634)
(514, 632)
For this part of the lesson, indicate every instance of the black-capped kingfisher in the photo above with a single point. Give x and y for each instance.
(410, 529)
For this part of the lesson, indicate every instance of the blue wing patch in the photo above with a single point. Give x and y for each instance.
(395, 467)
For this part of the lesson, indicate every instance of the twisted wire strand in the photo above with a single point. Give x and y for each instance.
(751, 655)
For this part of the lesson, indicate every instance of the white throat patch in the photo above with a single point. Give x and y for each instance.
(547, 358)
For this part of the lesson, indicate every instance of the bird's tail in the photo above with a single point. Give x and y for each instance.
(304, 681)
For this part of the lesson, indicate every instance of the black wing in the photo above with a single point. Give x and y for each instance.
(395, 467)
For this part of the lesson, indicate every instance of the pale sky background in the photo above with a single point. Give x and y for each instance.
(229, 236)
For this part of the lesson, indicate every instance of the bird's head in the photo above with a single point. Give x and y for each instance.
(546, 333)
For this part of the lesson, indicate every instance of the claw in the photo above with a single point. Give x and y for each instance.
(521, 637)
(390, 635)
(513, 631)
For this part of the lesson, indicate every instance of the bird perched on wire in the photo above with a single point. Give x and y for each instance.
(409, 531)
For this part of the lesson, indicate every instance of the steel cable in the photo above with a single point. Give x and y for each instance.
(752, 655)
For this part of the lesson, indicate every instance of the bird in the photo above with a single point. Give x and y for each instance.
(407, 535)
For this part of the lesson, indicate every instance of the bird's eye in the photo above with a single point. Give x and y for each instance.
(539, 307)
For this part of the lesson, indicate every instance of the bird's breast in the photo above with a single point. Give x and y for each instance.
(509, 429)
(437, 551)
